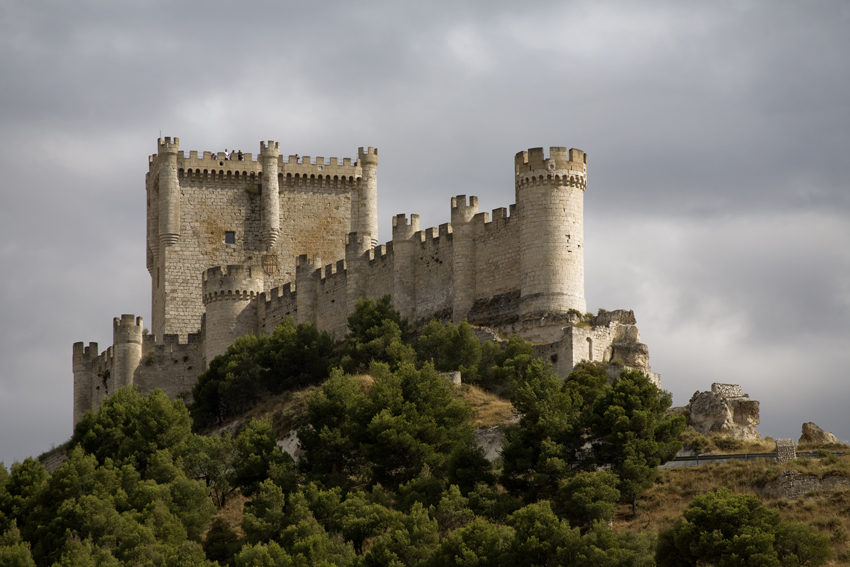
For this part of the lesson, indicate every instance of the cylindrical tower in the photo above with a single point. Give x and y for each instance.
(404, 264)
(271, 201)
(357, 248)
(367, 200)
(127, 348)
(463, 256)
(82, 360)
(306, 287)
(230, 299)
(550, 206)
(169, 192)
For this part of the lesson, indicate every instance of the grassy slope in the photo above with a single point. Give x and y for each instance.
(828, 511)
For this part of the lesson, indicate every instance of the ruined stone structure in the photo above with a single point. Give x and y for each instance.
(725, 410)
(237, 246)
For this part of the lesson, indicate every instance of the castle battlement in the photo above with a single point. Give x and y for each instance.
(167, 145)
(368, 156)
(292, 169)
(534, 160)
(234, 282)
(237, 246)
(461, 207)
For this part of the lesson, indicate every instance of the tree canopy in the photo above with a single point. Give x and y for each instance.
(390, 474)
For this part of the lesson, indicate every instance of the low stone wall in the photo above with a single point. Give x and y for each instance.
(793, 484)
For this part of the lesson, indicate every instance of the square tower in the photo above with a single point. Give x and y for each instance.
(207, 210)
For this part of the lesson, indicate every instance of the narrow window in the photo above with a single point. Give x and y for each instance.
(589, 349)
(230, 237)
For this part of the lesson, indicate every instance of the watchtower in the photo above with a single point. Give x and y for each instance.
(127, 349)
(550, 206)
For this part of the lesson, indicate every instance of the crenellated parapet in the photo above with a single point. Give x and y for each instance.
(231, 283)
(562, 163)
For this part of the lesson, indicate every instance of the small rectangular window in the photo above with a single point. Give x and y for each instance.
(230, 237)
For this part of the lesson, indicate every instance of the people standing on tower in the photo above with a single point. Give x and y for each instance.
(241, 158)
(225, 155)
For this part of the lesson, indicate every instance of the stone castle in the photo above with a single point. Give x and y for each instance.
(236, 246)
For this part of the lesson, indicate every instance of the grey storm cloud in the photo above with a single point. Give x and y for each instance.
(718, 133)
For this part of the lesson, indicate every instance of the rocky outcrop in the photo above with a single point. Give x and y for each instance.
(793, 484)
(814, 435)
(291, 445)
(725, 410)
(490, 439)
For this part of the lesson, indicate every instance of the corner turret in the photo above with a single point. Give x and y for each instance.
(367, 201)
(270, 153)
(169, 192)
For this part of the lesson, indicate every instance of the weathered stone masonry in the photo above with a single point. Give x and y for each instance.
(235, 247)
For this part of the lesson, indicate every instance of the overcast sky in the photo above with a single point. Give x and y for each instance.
(717, 133)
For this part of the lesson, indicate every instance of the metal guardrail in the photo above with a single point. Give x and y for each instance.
(743, 457)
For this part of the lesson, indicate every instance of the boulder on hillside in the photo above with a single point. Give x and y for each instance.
(725, 410)
(814, 435)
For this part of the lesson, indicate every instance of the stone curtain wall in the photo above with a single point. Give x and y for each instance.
(276, 305)
(496, 253)
(433, 273)
(331, 308)
(171, 366)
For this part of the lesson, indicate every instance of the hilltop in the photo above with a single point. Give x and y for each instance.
(389, 471)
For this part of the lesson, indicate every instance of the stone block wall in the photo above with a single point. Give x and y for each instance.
(786, 451)
(727, 390)
(171, 365)
(208, 198)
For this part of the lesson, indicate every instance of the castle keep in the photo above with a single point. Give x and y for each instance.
(236, 246)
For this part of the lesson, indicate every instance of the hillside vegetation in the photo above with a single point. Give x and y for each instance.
(390, 474)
